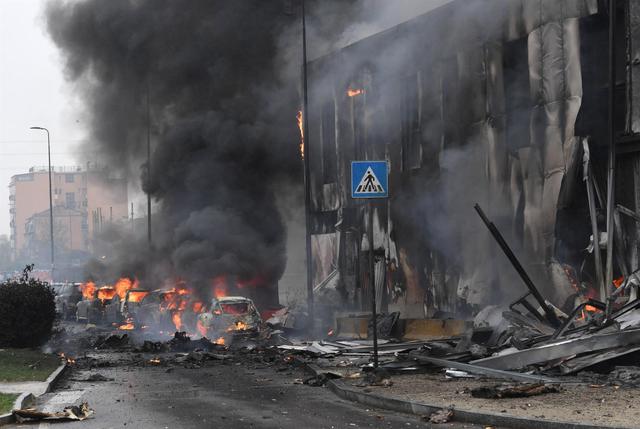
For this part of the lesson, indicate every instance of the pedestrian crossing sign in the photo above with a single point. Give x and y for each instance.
(369, 179)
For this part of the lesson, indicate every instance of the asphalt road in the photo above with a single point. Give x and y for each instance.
(229, 395)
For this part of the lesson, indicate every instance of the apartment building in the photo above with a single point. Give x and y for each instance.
(84, 200)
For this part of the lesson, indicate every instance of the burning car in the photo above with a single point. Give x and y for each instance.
(67, 297)
(131, 304)
(166, 310)
(99, 305)
(230, 314)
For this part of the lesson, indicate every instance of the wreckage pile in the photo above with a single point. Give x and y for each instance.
(530, 341)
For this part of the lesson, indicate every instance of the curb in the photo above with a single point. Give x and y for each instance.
(21, 402)
(342, 390)
(27, 398)
(54, 377)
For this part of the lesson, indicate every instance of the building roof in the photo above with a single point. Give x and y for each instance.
(58, 211)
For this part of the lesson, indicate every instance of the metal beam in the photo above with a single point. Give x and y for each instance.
(611, 174)
(550, 315)
(561, 349)
(478, 370)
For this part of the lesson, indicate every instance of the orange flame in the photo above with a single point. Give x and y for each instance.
(123, 285)
(238, 326)
(137, 296)
(219, 341)
(127, 327)
(219, 286)
(177, 320)
(201, 328)
(106, 293)
(88, 290)
(198, 307)
(299, 117)
(618, 282)
(68, 359)
(354, 92)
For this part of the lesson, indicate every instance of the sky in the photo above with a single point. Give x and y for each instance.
(32, 93)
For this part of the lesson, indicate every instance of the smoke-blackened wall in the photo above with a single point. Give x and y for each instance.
(463, 116)
(222, 127)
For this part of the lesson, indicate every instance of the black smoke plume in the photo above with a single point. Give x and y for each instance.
(222, 121)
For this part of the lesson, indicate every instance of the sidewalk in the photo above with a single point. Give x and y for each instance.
(575, 407)
(28, 390)
(36, 388)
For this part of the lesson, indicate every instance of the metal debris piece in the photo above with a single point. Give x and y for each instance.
(562, 349)
(489, 372)
(456, 373)
(513, 391)
(74, 412)
(547, 312)
(583, 362)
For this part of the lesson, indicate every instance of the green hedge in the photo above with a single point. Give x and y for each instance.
(27, 311)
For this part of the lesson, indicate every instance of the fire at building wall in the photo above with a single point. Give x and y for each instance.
(509, 111)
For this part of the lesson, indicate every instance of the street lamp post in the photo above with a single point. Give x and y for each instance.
(50, 196)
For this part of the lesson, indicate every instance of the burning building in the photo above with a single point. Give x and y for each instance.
(502, 103)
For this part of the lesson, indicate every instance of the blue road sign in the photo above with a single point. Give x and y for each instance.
(369, 179)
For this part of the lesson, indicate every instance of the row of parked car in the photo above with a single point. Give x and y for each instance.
(159, 310)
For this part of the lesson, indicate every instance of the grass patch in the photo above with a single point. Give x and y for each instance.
(26, 365)
(6, 402)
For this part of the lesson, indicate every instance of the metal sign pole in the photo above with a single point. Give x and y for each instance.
(372, 282)
(370, 180)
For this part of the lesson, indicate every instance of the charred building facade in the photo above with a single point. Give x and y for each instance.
(503, 103)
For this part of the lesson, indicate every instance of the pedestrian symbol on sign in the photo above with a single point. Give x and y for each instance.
(369, 179)
(369, 184)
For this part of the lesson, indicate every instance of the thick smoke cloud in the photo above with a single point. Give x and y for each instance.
(222, 124)
(221, 79)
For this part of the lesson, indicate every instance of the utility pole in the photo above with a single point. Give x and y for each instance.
(50, 197)
(307, 175)
(148, 170)
(611, 176)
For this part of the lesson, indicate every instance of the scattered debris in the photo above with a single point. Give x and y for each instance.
(513, 391)
(442, 416)
(321, 379)
(379, 377)
(116, 341)
(74, 412)
(93, 378)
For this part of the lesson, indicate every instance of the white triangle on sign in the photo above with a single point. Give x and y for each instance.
(369, 184)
